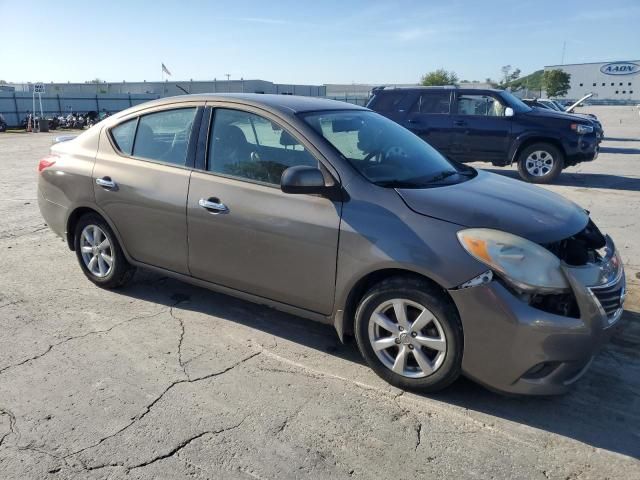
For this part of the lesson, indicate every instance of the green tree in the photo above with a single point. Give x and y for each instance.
(556, 82)
(508, 76)
(439, 77)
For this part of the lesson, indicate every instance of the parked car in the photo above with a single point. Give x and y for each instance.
(555, 106)
(469, 125)
(335, 213)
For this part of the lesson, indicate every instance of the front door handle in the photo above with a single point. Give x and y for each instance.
(106, 182)
(213, 205)
(459, 123)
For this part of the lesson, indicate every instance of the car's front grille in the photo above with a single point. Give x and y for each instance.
(610, 297)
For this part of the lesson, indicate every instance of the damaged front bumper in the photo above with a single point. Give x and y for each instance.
(514, 347)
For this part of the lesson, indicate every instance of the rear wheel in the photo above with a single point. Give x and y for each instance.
(99, 253)
(410, 334)
(540, 163)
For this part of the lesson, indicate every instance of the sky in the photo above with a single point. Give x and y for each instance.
(325, 41)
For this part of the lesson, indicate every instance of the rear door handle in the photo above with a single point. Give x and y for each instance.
(106, 182)
(213, 205)
(459, 123)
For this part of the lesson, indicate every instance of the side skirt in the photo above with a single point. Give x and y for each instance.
(283, 307)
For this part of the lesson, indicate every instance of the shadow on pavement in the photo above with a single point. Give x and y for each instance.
(620, 139)
(585, 180)
(622, 150)
(602, 410)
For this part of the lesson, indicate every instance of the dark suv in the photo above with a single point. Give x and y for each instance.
(469, 125)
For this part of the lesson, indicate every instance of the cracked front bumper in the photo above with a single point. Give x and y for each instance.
(513, 347)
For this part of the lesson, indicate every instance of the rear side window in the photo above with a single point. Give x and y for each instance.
(433, 102)
(164, 136)
(387, 101)
(123, 135)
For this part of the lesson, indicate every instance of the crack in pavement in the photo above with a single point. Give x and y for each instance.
(419, 433)
(37, 230)
(169, 454)
(185, 443)
(295, 414)
(10, 303)
(12, 424)
(68, 339)
(148, 408)
(183, 365)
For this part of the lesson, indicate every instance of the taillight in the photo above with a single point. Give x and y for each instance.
(46, 162)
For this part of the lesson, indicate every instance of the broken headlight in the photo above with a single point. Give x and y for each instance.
(525, 265)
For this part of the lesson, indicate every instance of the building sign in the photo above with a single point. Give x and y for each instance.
(620, 68)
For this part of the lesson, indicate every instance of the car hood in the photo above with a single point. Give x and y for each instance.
(546, 113)
(493, 201)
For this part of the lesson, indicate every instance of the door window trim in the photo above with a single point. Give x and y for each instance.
(193, 137)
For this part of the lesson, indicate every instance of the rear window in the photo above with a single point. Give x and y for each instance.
(433, 102)
(387, 101)
(164, 136)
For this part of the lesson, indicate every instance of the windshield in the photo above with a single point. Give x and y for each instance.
(385, 153)
(514, 102)
(559, 107)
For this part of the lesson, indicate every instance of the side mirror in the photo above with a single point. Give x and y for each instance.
(302, 179)
(508, 112)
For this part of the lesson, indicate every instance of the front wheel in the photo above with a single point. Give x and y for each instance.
(540, 163)
(410, 334)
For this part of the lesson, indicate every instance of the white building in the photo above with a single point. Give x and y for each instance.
(606, 80)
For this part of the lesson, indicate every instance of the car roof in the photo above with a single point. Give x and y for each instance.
(287, 104)
(446, 88)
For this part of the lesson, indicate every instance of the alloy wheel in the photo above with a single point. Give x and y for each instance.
(407, 338)
(539, 163)
(96, 251)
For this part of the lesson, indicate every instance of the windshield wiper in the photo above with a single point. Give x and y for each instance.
(418, 182)
(395, 184)
(442, 175)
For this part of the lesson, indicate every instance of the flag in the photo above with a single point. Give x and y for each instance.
(165, 69)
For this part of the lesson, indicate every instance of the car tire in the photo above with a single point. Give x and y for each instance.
(540, 163)
(95, 245)
(444, 331)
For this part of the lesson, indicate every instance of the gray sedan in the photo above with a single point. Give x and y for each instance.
(332, 212)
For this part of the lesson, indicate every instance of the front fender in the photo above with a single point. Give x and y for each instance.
(528, 136)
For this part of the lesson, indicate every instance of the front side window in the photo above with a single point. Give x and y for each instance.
(123, 135)
(433, 102)
(249, 146)
(164, 136)
(482, 105)
(384, 152)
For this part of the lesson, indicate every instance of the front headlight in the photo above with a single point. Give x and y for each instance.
(526, 265)
(581, 129)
